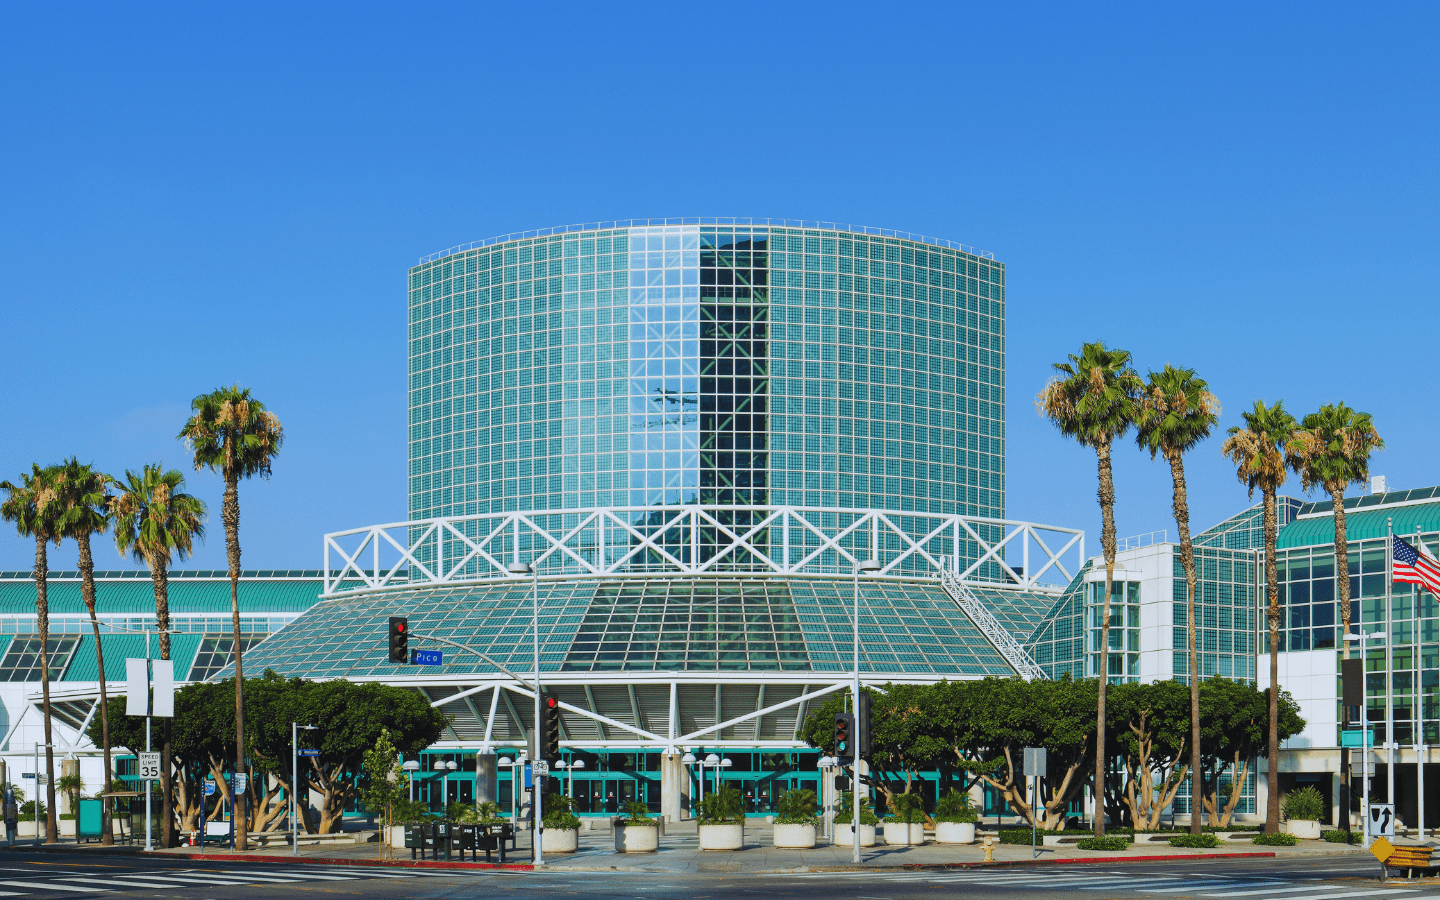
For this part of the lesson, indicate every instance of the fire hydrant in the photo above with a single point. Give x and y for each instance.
(988, 843)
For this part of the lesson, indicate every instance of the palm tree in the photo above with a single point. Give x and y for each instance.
(31, 506)
(232, 433)
(1333, 451)
(1092, 399)
(1261, 453)
(156, 520)
(83, 510)
(1176, 412)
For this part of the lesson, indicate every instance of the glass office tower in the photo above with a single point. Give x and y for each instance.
(719, 361)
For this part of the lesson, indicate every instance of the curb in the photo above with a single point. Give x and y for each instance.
(340, 861)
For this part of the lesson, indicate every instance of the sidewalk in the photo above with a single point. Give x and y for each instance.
(680, 853)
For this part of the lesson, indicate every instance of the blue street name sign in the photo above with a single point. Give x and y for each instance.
(427, 657)
(27, 774)
(308, 752)
(209, 788)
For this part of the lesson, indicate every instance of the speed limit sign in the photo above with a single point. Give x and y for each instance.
(149, 766)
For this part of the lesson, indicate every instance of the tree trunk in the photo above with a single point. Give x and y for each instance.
(1107, 545)
(1342, 591)
(1181, 507)
(87, 588)
(230, 513)
(160, 580)
(42, 625)
(1272, 745)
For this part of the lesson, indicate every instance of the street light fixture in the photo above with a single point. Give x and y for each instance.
(519, 569)
(411, 766)
(574, 767)
(1364, 734)
(865, 567)
(295, 729)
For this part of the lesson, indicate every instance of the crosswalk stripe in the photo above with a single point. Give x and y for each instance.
(286, 878)
(1366, 893)
(1193, 886)
(1267, 890)
(50, 886)
(192, 879)
(128, 884)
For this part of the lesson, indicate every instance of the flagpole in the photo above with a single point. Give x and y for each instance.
(1389, 665)
(1420, 749)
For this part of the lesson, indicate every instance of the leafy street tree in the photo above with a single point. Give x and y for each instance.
(1236, 717)
(30, 505)
(1175, 413)
(351, 718)
(1333, 451)
(83, 511)
(1260, 452)
(385, 785)
(1092, 400)
(1150, 724)
(156, 520)
(232, 433)
(903, 735)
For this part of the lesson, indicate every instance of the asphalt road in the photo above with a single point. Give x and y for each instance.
(45, 876)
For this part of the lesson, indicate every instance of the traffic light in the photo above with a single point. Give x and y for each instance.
(845, 735)
(862, 724)
(549, 727)
(399, 639)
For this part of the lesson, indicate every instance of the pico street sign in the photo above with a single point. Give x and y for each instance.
(427, 657)
(305, 752)
(209, 787)
(239, 784)
(149, 767)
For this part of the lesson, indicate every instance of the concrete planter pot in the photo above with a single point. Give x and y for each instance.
(722, 836)
(397, 836)
(637, 838)
(954, 832)
(1305, 829)
(564, 840)
(845, 838)
(795, 837)
(901, 833)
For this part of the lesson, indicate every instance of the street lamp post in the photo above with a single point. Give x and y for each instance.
(867, 567)
(714, 762)
(537, 752)
(1364, 734)
(575, 766)
(295, 729)
(724, 764)
(690, 760)
(411, 767)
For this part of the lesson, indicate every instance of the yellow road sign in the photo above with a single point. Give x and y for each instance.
(1382, 849)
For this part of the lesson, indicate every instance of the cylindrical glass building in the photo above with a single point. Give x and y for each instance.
(718, 361)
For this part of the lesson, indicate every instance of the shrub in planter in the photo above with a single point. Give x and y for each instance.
(1108, 842)
(562, 826)
(955, 818)
(1279, 839)
(906, 822)
(1341, 837)
(1195, 840)
(636, 832)
(1302, 812)
(846, 817)
(722, 820)
(795, 820)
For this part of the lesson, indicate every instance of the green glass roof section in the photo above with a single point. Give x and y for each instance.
(636, 625)
(1361, 524)
(136, 596)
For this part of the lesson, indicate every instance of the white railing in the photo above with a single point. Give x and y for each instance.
(697, 540)
(989, 626)
(1135, 542)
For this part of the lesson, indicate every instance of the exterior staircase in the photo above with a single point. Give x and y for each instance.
(989, 626)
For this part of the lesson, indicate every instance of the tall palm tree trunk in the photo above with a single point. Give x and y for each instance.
(1272, 741)
(87, 587)
(230, 514)
(1181, 507)
(1342, 585)
(1107, 545)
(160, 580)
(42, 625)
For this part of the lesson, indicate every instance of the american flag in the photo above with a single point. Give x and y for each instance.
(1415, 566)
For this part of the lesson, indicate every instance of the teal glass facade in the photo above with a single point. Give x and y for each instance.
(714, 361)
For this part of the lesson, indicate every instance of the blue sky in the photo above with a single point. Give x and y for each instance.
(193, 195)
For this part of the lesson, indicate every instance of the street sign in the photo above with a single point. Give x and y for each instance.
(1034, 762)
(307, 752)
(427, 657)
(1382, 849)
(149, 768)
(240, 782)
(27, 774)
(209, 788)
(1382, 820)
(540, 767)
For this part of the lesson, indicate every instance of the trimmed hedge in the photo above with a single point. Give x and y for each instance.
(1195, 840)
(1341, 837)
(1278, 839)
(1108, 842)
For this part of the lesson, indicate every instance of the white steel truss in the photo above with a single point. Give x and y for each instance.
(997, 634)
(698, 540)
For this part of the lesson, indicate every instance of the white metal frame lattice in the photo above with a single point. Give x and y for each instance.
(695, 540)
